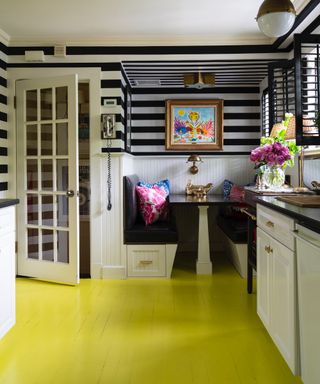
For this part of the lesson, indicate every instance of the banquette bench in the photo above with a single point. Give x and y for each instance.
(150, 249)
(234, 236)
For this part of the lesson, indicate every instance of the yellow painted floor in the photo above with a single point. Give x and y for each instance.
(190, 329)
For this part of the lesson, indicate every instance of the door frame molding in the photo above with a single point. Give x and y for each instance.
(92, 76)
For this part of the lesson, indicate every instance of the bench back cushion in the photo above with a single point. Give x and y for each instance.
(131, 203)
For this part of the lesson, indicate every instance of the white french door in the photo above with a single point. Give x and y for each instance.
(47, 178)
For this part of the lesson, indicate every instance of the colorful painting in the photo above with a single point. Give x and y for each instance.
(194, 124)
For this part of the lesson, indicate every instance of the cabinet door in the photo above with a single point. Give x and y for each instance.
(263, 277)
(7, 283)
(283, 308)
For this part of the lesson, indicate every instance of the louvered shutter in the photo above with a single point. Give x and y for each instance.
(281, 90)
(265, 130)
(307, 68)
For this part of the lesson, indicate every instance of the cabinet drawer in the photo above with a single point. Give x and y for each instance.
(279, 226)
(7, 220)
(146, 260)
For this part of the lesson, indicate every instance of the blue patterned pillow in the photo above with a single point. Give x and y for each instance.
(163, 184)
(227, 185)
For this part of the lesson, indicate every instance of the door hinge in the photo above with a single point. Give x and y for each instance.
(14, 102)
(16, 246)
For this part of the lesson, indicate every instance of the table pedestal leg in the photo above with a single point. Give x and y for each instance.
(204, 265)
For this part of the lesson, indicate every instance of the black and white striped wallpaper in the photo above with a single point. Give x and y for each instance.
(241, 118)
(242, 106)
(113, 87)
(3, 121)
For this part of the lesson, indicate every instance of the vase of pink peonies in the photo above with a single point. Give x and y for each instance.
(271, 160)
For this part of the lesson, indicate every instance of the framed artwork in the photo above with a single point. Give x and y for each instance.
(194, 124)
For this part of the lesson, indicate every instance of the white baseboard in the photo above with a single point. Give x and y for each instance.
(116, 272)
(95, 271)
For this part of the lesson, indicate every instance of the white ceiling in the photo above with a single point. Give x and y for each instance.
(136, 21)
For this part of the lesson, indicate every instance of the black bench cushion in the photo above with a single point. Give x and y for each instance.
(159, 233)
(235, 229)
(131, 213)
(135, 231)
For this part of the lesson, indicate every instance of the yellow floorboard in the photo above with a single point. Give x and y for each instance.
(190, 329)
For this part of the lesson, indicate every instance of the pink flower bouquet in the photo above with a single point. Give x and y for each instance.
(274, 154)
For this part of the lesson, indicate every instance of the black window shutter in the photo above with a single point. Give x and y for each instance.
(281, 81)
(307, 73)
(265, 108)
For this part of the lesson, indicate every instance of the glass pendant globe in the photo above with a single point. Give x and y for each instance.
(276, 24)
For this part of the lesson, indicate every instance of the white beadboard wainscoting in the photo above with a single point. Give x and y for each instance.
(154, 168)
(213, 170)
(151, 169)
(311, 171)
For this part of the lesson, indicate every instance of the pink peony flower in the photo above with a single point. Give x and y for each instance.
(274, 154)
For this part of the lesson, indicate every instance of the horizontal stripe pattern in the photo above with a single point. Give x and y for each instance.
(113, 87)
(3, 122)
(241, 121)
(171, 74)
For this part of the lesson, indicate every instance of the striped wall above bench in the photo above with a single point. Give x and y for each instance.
(241, 118)
(3, 121)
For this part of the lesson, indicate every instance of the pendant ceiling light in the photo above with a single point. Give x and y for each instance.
(276, 17)
(199, 80)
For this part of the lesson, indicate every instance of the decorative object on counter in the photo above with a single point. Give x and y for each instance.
(273, 177)
(259, 183)
(270, 159)
(275, 154)
(315, 186)
(197, 190)
(194, 159)
(194, 124)
(276, 17)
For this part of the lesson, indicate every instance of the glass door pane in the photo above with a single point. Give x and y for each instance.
(49, 167)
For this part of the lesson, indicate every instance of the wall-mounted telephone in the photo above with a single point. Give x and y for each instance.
(108, 131)
(108, 126)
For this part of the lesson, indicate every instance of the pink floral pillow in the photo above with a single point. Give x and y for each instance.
(237, 192)
(152, 203)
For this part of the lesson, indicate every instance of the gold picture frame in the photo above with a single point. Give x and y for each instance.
(194, 125)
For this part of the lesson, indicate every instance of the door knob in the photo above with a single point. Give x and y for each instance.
(70, 193)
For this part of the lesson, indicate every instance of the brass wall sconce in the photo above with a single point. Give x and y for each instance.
(194, 159)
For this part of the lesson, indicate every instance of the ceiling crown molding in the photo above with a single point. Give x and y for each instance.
(154, 40)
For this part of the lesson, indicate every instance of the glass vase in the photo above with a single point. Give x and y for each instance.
(273, 177)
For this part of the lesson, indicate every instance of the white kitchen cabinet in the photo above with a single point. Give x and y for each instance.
(308, 264)
(264, 267)
(7, 269)
(276, 284)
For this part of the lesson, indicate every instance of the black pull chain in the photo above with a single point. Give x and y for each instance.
(109, 184)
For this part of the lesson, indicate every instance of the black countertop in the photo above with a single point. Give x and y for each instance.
(7, 202)
(308, 217)
(205, 200)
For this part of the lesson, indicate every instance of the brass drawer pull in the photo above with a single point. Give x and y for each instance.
(145, 262)
(268, 249)
(245, 211)
(270, 224)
